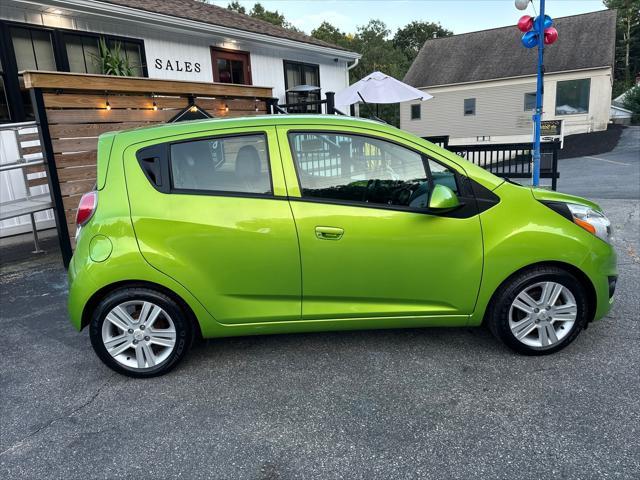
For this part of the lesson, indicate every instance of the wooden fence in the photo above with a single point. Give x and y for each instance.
(72, 111)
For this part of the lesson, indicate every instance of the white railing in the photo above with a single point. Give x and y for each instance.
(22, 208)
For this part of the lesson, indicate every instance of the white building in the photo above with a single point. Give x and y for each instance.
(484, 83)
(164, 39)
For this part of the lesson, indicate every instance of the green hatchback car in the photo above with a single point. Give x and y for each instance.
(306, 223)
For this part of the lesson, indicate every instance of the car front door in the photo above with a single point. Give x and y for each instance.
(210, 210)
(369, 248)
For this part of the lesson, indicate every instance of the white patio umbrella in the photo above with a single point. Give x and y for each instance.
(378, 87)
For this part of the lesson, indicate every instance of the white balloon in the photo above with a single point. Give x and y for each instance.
(522, 4)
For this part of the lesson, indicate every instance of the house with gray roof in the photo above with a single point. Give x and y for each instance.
(484, 83)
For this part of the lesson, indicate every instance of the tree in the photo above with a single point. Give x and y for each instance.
(631, 101)
(261, 13)
(412, 36)
(328, 33)
(378, 53)
(236, 7)
(627, 42)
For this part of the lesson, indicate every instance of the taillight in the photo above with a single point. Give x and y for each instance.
(87, 207)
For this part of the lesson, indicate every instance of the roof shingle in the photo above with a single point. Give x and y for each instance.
(214, 15)
(584, 41)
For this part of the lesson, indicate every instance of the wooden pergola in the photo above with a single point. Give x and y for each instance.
(72, 110)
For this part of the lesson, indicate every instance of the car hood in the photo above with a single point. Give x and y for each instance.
(551, 196)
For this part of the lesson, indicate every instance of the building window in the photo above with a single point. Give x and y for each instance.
(33, 49)
(297, 73)
(415, 112)
(83, 53)
(469, 106)
(238, 164)
(231, 66)
(529, 101)
(572, 96)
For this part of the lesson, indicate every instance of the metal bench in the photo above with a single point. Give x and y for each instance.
(30, 168)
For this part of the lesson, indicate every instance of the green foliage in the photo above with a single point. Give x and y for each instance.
(627, 64)
(328, 33)
(236, 7)
(412, 36)
(261, 13)
(632, 102)
(113, 61)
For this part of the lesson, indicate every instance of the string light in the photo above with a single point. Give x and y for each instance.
(226, 107)
(155, 105)
(256, 103)
(107, 105)
(193, 109)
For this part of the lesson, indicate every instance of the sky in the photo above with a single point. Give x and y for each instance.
(460, 16)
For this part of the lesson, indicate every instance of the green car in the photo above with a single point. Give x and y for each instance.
(307, 223)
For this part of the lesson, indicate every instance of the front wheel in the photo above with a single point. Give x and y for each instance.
(140, 332)
(539, 311)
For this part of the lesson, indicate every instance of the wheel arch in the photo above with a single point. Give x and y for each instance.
(572, 269)
(97, 297)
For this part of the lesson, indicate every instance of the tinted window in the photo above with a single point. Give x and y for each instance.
(355, 168)
(529, 101)
(415, 112)
(469, 106)
(572, 96)
(227, 164)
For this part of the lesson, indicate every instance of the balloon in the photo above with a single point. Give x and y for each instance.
(548, 21)
(522, 4)
(525, 23)
(530, 39)
(550, 35)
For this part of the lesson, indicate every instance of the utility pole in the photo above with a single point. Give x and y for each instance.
(537, 117)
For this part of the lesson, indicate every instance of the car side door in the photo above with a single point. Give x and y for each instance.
(369, 247)
(209, 209)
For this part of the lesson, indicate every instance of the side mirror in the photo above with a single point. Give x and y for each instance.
(442, 199)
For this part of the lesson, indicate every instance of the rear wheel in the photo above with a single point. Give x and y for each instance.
(140, 332)
(539, 311)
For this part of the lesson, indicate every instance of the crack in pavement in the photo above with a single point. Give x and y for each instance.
(48, 424)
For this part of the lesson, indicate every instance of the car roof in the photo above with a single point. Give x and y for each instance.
(169, 129)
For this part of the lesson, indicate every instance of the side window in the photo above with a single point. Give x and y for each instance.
(362, 169)
(238, 164)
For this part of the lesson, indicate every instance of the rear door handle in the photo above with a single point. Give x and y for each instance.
(329, 233)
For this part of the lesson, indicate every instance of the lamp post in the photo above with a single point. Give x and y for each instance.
(537, 32)
(537, 116)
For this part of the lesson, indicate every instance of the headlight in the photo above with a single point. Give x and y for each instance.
(591, 220)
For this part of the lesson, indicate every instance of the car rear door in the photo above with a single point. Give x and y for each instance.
(369, 248)
(210, 210)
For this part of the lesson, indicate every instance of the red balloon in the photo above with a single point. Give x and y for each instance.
(525, 23)
(550, 35)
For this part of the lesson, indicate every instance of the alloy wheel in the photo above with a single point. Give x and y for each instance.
(139, 334)
(543, 314)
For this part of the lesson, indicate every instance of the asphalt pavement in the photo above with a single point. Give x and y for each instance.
(431, 403)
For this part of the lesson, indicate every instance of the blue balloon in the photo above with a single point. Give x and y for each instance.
(548, 22)
(530, 39)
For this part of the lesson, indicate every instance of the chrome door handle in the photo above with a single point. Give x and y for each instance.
(329, 233)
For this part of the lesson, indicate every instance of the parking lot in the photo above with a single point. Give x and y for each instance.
(432, 403)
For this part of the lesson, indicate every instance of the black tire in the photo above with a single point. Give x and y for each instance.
(497, 318)
(183, 327)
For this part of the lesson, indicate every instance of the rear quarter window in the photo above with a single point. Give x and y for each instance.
(238, 164)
